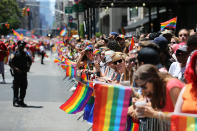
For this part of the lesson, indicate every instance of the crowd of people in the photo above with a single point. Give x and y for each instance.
(161, 69)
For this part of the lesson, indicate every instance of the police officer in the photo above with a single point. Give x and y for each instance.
(20, 63)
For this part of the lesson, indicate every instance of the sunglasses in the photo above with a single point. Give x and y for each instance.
(173, 42)
(116, 62)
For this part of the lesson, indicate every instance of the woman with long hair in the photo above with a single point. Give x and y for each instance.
(160, 89)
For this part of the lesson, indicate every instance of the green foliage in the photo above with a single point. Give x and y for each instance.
(98, 34)
(9, 13)
(81, 30)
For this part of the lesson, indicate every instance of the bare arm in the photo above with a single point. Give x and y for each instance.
(174, 93)
(179, 102)
(80, 58)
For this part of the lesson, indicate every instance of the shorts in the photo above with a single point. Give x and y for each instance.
(1, 67)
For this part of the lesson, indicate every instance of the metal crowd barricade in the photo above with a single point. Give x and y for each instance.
(152, 124)
(69, 82)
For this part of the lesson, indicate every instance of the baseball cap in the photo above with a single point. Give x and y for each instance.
(148, 56)
(161, 41)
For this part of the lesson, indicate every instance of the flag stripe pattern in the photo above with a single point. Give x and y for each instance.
(78, 100)
(132, 44)
(110, 111)
(183, 123)
(63, 32)
(131, 125)
(19, 37)
(170, 24)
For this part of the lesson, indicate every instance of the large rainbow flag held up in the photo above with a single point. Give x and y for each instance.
(111, 106)
(169, 24)
(19, 37)
(183, 123)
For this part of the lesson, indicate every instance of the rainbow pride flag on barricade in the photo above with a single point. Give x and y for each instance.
(70, 68)
(184, 122)
(111, 106)
(78, 100)
(89, 110)
(132, 125)
(67, 65)
(80, 97)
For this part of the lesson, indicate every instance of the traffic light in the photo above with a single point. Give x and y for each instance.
(24, 12)
(7, 26)
(28, 11)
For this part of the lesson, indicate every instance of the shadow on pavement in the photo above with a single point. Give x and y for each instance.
(3, 83)
(30, 106)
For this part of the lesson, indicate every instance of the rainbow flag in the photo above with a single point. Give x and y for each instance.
(70, 71)
(97, 51)
(88, 110)
(132, 125)
(132, 44)
(78, 100)
(111, 106)
(169, 24)
(57, 60)
(80, 97)
(70, 68)
(63, 32)
(18, 36)
(183, 123)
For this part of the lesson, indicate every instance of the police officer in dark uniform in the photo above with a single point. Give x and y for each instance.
(20, 64)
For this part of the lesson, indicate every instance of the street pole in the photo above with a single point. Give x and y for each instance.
(78, 19)
(29, 21)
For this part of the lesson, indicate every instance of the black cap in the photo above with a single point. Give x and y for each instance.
(148, 56)
(21, 43)
(161, 41)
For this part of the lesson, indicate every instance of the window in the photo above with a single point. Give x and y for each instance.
(133, 12)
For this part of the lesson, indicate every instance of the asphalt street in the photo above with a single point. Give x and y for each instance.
(46, 92)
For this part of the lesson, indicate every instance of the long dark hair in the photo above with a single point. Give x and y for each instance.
(149, 73)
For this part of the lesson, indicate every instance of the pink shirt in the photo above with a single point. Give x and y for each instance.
(169, 107)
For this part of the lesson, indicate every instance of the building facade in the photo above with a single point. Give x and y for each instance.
(31, 21)
(112, 20)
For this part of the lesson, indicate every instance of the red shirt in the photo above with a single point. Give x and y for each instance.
(169, 107)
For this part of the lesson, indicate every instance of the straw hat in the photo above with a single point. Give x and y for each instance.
(117, 56)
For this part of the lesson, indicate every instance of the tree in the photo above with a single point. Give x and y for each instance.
(10, 14)
(81, 31)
